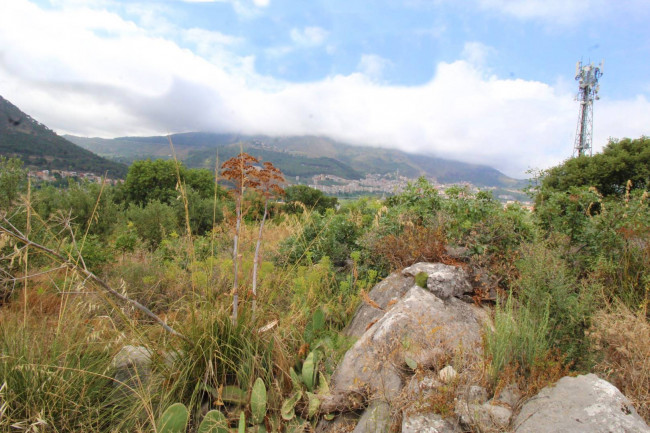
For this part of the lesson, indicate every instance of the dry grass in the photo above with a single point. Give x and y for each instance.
(623, 337)
(415, 244)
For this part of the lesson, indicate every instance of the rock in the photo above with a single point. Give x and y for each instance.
(447, 374)
(444, 281)
(391, 289)
(421, 384)
(457, 252)
(428, 423)
(483, 417)
(132, 366)
(420, 321)
(509, 395)
(579, 404)
(375, 419)
(473, 394)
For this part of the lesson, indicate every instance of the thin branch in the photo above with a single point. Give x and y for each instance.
(16, 234)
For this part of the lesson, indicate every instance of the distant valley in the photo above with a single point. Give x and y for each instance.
(302, 157)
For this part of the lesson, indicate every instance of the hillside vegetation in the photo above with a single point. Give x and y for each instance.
(303, 156)
(40, 148)
(162, 260)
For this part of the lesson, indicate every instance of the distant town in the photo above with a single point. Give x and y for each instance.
(54, 175)
(372, 184)
(385, 185)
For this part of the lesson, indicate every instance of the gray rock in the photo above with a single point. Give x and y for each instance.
(444, 281)
(473, 394)
(579, 404)
(428, 423)
(390, 289)
(375, 419)
(420, 321)
(132, 366)
(483, 417)
(509, 395)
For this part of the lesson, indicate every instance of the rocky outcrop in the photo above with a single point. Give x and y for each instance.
(417, 360)
(583, 404)
(408, 327)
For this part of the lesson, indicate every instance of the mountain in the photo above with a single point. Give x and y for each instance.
(39, 147)
(302, 156)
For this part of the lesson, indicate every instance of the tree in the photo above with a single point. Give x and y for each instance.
(149, 180)
(12, 174)
(313, 199)
(609, 172)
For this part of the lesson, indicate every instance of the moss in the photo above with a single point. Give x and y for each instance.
(421, 279)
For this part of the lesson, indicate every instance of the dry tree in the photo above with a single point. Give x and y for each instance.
(242, 172)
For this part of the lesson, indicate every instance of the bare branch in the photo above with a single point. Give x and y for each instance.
(16, 234)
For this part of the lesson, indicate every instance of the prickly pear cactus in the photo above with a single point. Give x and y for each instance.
(309, 371)
(173, 420)
(258, 402)
(213, 422)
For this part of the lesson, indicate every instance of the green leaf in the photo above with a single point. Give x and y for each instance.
(296, 426)
(241, 428)
(318, 321)
(313, 404)
(295, 380)
(213, 422)
(309, 371)
(174, 419)
(412, 363)
(258, 401)
(232, 394)
(289, 405)
(323, 387)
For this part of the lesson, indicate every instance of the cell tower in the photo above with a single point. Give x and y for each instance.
(587, 77)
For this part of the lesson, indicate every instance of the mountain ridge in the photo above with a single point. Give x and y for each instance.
(39, 147)
(298, 156)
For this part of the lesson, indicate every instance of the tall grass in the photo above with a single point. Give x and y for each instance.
(520, 337)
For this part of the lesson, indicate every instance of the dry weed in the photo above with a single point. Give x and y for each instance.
(624, 337)
(415, 244)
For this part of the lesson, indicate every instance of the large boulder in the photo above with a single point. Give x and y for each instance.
(421, 327)
(384, 294)
(404, 326)
(583, 404)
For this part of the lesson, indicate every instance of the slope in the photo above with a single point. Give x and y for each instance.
(39, 147)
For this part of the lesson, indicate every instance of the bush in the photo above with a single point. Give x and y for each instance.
(153, 222)
(547, 286)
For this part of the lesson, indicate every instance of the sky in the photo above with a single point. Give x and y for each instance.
(481, 81)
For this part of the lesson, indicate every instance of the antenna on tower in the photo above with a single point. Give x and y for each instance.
(587, 77)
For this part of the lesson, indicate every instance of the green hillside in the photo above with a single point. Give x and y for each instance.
(302, 156)
(40, 148)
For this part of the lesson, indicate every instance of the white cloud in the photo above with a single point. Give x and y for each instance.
(373, 65)
(563, 11)
(94, 73)
(477, 52)
(261, 3)
(309, 36)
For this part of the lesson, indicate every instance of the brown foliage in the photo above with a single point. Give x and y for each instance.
(624, 337)
(415, 244)
(241, 171)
